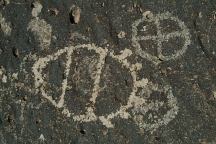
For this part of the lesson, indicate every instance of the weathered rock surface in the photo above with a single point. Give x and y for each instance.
(107, 71)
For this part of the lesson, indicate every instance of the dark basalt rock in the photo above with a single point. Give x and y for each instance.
(149, 64)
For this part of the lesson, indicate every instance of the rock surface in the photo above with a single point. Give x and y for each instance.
(107, 71)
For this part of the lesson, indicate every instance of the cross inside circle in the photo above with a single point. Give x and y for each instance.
(160, 37)
(137, 106)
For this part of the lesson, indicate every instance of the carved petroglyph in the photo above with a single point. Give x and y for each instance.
(42, 62)
(140, 111)
(140, 107)
(39, 27)
(160, 37)
(135, 102)
(42, 31)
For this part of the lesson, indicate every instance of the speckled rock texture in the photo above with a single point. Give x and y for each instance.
(107, 72)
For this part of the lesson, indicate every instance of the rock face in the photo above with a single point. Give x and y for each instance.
(107, 71)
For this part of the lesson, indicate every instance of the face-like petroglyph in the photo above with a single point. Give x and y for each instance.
(159, 37)
(136, 103)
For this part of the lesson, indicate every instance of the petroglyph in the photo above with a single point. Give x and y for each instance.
(42, 31)
(121, 34)
(140, 111)
(135, 102)
(160, 37)
(42, 62)
(5, 26)
(140, 106)
(39, 27)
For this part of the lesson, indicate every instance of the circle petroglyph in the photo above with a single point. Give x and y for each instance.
(149, 105)
(159, 37)
(136, 103)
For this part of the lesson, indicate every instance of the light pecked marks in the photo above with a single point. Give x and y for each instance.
(138, 106)
(75, 13)
(160, 37)
(65, 81)
(99, 67)
(214, 94)
(122, 112)
(3, 76)
(37, 70)
(5, 26)
(121, 35)
(39, 27)
(37, 7)
(140, 111)
(42, 63)
(137, 103)
(42, 138)
(42, 31)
